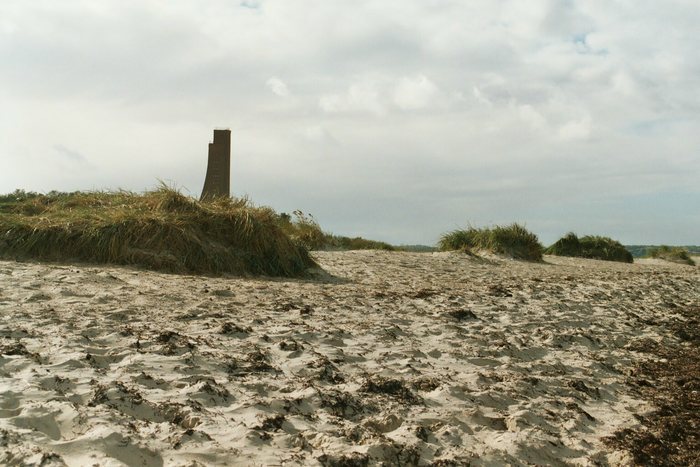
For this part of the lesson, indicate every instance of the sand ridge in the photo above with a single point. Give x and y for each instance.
(394, 358)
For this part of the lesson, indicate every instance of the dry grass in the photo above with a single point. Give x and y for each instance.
(161, 230)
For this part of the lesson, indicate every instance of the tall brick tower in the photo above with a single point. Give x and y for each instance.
(218, 180)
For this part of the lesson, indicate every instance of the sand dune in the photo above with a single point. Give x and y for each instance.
(398, 358)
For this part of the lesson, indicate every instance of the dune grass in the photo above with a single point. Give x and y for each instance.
(161, 230)
(669, 253)
(591, 247)
(304, 229)
(513, 240)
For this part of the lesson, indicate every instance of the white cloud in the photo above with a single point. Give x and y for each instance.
(362, 96)
(479, 96)
(624, 84)
(318, 134)
(278, 87)
(575, 130)
(412, 93)
(532, 117)
(376, 95)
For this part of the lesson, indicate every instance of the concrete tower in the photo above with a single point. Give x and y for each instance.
(218, 180)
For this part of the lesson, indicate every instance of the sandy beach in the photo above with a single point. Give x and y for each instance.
(386, 358)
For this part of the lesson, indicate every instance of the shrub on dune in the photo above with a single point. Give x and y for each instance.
(591, 247)
(161, 229)
(674, 254)
(513, 240)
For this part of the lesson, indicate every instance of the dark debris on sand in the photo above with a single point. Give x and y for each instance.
(670, 435)
(462, 315)
(392, 387)
(17, 348)
(347, 460)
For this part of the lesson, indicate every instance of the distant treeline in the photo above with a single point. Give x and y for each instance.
(640, 251)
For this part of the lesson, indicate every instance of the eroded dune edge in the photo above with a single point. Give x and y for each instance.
(400, 358)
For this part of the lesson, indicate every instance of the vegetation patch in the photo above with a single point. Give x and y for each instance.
(675, 254)
(304, 229)
(513, 240)
(590, 246)
(161, 230)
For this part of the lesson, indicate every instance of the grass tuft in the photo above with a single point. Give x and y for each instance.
(674, 254)
(513, 240)
(161, 230)
(591, 247)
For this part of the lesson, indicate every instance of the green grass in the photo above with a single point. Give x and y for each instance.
(161, 230)
(590, 246)
(513, 240)
(304, 229)
(674, 254)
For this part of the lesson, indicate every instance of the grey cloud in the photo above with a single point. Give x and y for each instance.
(71, 155)
(389, 119)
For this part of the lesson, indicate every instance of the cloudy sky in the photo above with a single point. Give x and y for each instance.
(391, 119)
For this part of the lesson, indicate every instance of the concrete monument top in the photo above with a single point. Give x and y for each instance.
(217, 182)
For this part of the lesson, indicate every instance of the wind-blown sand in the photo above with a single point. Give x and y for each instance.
(398, 358)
